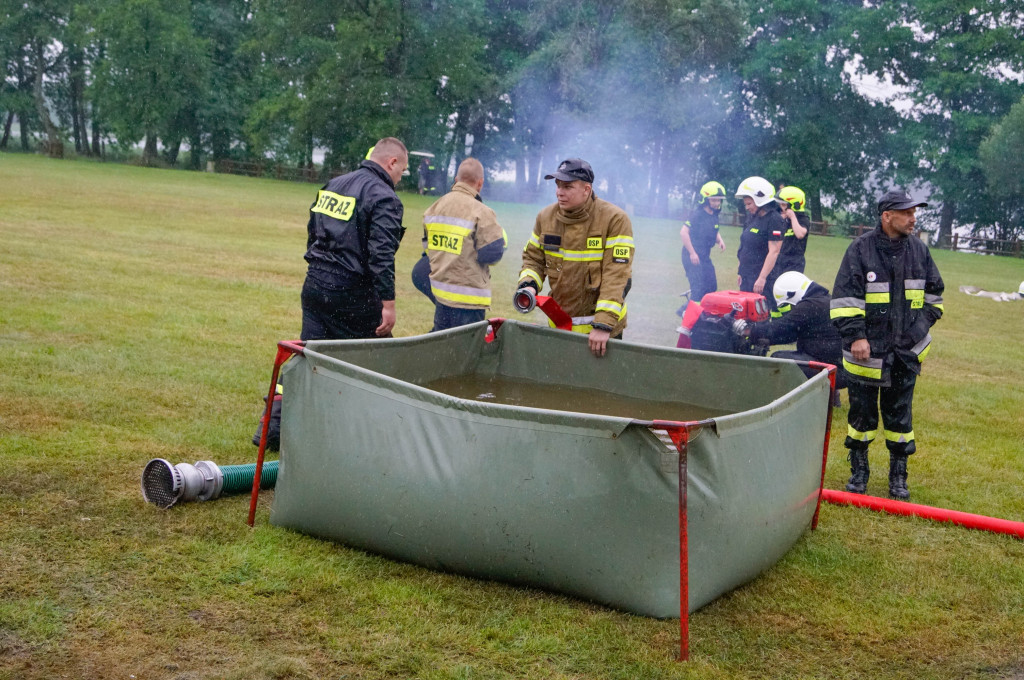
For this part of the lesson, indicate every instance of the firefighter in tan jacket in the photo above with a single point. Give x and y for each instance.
(462, 239)
(583, 246)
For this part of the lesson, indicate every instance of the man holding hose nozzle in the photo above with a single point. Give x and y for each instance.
(583, 247)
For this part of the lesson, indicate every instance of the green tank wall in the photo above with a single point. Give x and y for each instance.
(575, 503)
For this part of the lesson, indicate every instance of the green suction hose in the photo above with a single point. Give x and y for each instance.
(164, 484)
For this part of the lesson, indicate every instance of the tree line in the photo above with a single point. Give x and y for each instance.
(842, 98)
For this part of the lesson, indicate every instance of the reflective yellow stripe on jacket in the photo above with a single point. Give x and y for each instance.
(868, 368)
(847, 306)
(463, 294)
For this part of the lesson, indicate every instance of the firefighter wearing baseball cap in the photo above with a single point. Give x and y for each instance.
(887, 296)
(583, 247)
(462, 238)
(700, 234)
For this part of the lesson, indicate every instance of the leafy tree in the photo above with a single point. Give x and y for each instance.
(151, 70)
(1002, 154)
(16, 99)
(813, 127)
(1001, 157)
(957, 57)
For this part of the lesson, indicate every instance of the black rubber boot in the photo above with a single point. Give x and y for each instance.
(898, 478)
(859, 471)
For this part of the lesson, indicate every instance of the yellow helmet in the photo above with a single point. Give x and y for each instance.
(794, 196)
(711, 190)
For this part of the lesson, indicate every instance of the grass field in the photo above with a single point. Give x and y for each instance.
(139, 311)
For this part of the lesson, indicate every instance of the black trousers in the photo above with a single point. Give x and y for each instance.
(895, 403)
(339, 313)
(702, 277)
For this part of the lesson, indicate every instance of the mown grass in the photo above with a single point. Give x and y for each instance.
(139, 311)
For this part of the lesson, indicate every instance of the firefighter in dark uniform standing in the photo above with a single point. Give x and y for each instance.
(700, 234)
(886, 297)
(355, 226)
(761, 240)
(794, 242)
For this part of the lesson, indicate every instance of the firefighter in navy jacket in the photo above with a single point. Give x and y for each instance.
(355, 226)
(887, 296)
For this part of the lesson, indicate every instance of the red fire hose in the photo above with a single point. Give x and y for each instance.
(965, 519)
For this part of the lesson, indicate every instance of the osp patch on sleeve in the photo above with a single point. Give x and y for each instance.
(621, 254)
(335, 205)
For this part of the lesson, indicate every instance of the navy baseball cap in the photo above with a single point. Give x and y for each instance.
(898, 199)
(573, 169)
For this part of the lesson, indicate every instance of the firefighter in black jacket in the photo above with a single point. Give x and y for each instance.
(355, 226)
(887, 295)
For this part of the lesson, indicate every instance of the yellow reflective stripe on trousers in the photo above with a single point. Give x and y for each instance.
(859, 436)
(463, 294)
(899, 437)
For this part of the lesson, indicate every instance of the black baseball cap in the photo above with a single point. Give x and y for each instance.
(897, 199)
(573, 169)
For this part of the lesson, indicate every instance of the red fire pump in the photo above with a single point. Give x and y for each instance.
(717, 322)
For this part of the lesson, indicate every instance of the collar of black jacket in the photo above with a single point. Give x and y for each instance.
(378, 170)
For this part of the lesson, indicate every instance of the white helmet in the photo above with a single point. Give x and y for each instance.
(759, 189)
(790, 287)
(1020, 291)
